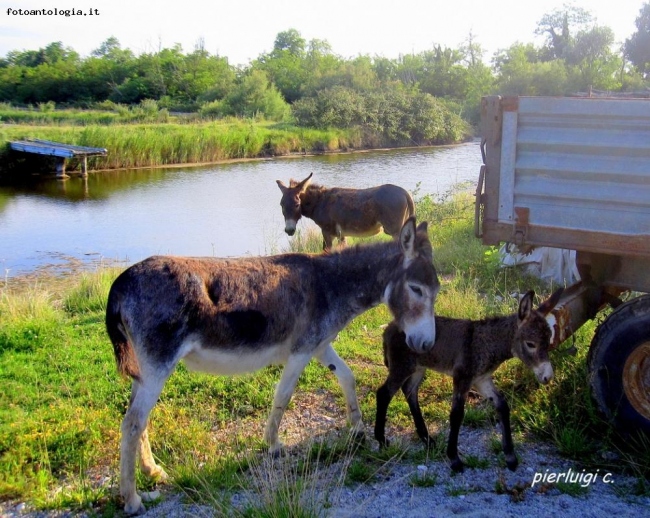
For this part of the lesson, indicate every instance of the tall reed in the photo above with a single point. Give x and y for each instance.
(151, 145)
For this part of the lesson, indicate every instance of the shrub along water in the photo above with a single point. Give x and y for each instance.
(62, 401)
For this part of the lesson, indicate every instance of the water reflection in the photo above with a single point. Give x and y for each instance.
(223, 210)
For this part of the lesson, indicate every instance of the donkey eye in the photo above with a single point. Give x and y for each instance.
(416, 289)
(530, 345)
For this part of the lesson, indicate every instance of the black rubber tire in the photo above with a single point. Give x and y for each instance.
(624, 333)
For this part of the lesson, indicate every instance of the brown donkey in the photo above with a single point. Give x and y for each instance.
(343, 212)
(469, 351)
(230, 316)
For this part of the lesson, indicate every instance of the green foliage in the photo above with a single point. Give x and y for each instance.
(253, 97)
(394, 115)
(474, 462)
(327, 90)
(577, 56)
(637, 47)
(424, 479)
(90, 294)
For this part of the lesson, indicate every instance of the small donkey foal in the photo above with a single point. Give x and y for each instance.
(469, 351)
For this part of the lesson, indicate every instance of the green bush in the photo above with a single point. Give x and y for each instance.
(397, 115)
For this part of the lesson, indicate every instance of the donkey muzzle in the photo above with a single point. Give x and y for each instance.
(419, 345)
(544, 372)
(290, 227)
(421, 336)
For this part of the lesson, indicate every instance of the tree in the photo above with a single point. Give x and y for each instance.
(558, 25)
(290, 41)
(112, 50)
(298, 68)
(637, 47)
(590, 53)
(51, 54)
(285, 64)
(253, 96)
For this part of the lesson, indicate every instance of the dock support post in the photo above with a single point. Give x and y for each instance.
(84, 166)
(60, 168)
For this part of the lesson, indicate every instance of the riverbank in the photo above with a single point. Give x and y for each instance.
(155, 145)
(172, 143)
(62, 403)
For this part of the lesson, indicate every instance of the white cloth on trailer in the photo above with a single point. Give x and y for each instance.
(550, 264)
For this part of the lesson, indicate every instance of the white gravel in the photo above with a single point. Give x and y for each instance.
(469, 494)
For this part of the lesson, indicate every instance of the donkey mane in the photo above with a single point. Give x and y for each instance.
(422, 244)
(311, 188)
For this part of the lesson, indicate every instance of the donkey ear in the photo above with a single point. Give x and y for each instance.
(407, 238)
(546, 306)
(526, 305)
(304, 184)
(282, 187)
(422, 227)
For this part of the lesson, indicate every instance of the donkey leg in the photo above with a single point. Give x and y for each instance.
(147, 463)
(328, 239)
(488, 390)
(410, 390)
(333, 362)
(385, 394)
(283, 392)
(461, 389)
(143, 398)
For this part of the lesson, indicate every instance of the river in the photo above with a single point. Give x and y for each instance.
(230, 209)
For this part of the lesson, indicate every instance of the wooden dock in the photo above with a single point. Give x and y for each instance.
(59, 150)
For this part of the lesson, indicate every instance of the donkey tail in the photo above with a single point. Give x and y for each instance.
(127, 361)
(410, 206)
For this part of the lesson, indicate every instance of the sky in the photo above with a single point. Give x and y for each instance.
(241, 30)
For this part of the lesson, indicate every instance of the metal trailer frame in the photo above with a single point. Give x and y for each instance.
(575, 173)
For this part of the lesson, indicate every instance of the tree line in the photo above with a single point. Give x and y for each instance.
(307, 82)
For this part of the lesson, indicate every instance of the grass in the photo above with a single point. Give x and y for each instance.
(154, 144)
(62, 401)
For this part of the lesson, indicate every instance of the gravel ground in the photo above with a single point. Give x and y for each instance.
(473, 493)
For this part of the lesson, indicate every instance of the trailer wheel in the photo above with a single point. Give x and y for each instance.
(619, 366)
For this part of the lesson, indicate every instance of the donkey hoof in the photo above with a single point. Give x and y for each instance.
(158, 474)
(276, 453)
(135, 506)
(512, 464)
(383, 442)
(457, 465)
(358, 437)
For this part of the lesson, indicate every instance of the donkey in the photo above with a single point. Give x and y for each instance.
(230, 316)
(469, 351)
(345, 212)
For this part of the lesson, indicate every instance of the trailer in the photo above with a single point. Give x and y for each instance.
(574, 173)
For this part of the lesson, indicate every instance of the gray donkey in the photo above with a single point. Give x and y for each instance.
(341, 212)
(469, 351)
(230, 316)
